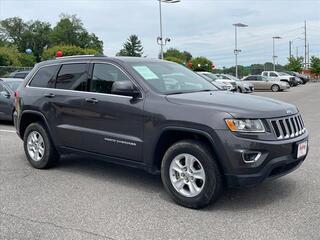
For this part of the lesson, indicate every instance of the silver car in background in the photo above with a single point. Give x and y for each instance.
(215, 80)
(242, 87)
(264, 83)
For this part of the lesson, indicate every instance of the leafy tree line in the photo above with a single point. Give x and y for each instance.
(68, 36)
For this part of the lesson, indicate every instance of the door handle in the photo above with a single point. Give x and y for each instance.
(49, 95)
(92, 100)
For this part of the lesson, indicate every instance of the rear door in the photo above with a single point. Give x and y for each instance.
(65, 104)
(113, 123)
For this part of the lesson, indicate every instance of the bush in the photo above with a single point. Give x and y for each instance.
(10, 56)
(174, 59)
(67, 50)
(201, 64)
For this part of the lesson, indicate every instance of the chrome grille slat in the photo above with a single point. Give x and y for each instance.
(288, 127)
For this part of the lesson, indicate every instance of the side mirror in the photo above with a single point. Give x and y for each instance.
(125, 88)
(5, 94)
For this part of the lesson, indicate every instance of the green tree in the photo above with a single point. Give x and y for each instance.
(315, 65)
(294, 64)
(12, 30)
(132, 47)
(201, 64)
(175, 59)
(70, 31)
(67, 50)
(173, 54)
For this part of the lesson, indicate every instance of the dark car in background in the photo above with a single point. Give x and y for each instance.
(7, 88)
(304, 78)
(161, 117)
(19, 74)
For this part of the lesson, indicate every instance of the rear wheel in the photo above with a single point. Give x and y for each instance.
(190, 174)
(275, 88)
(38, 147)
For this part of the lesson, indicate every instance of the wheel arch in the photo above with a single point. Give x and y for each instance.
(171, 135)
(30, 116)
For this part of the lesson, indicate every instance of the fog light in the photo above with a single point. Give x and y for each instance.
(251, 157)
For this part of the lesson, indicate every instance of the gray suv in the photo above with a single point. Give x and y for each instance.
(158, 116)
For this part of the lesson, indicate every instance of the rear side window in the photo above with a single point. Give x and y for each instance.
(73, 77)
(104, 75)
(273, 74)
(21, 75)
(45, 77)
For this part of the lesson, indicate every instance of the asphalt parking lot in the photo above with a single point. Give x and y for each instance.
(85, 199)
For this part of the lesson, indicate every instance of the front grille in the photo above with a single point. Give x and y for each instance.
(288, 127)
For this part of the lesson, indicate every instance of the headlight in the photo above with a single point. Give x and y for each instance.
(245, 125)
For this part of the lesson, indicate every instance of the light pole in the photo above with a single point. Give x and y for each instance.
(160, 39)
(273, 52)
(291, 44)
(236, 50)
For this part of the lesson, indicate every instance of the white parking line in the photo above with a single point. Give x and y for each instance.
(7, 131)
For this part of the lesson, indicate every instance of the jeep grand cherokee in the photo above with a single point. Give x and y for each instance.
(158, 116)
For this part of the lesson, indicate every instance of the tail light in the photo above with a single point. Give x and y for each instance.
(16, 98)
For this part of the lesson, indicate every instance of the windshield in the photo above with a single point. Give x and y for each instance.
(283, 74)
(14, 84)
(232, 77)
(171, 78)
(211, 76)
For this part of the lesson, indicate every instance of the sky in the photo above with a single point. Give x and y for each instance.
(202, 27)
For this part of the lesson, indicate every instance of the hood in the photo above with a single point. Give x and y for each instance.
(237, 104)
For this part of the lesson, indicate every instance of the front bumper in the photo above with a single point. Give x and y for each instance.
(284, 87)
(277, 158)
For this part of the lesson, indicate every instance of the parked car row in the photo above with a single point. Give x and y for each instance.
(268, 80)
(231, 83)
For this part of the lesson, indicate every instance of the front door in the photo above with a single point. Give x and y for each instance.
(114, 123)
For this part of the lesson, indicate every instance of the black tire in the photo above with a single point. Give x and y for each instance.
(50, 156)
(213, 185)
(275, 88)
(239, 90)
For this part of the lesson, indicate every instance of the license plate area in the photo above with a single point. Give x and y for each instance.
(301, 149)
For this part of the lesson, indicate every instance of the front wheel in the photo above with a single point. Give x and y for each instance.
(275, 88)
(190, 174)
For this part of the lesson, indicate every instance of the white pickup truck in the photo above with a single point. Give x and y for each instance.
(280, 77)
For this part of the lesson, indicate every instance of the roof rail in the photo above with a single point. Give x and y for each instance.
(80, 56)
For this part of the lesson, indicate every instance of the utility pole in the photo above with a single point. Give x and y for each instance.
(236, 50)
(290, 46)
(305, 44)
(274, 52)
(308, 55)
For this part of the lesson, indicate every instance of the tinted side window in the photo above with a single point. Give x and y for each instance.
(73, 77)
(249, 78)
(45, 77)
(20, 75)
(1, 88)
(104, 75)
(265, 74)
(273, 74)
